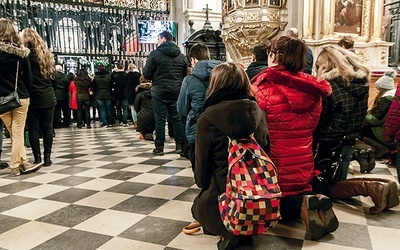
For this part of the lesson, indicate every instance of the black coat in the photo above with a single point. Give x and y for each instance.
(82, 92)
(145, 115)
(232, 115)
(41, 92)
(61, 86)
(9, 55)
(101, 85)
(256, 67)
(132, 81)
(166, 67)
(118, 79)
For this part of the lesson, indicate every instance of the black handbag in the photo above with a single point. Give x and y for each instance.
(327, 163)
(11, 101)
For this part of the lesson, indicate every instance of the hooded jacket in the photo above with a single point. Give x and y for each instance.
(233, 116)
(293, 104)
(9, 55)
(192, 95)
(392, 122)
(166, 67)
(146, 122)
(346, 105)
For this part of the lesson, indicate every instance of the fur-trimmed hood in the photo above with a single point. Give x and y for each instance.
(11, 49)
(359, 85)
(309, 89)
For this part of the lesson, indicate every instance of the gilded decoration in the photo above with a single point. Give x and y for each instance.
(384, 56)
(363, 55)
(248, 23)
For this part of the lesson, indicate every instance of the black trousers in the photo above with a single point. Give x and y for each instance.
(40, 119)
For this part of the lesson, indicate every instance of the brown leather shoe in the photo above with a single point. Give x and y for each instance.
(28, 167)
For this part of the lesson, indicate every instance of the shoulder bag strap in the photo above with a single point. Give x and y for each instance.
(16, 77)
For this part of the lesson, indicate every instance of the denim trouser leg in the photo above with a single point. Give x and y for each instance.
(160, 115)
(347, 153)
(103, 112)
(109, 111)
(176, 121)
(125, 106)
(133, 112)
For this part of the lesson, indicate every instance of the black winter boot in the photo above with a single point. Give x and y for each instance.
(47, 160)
(38, 158)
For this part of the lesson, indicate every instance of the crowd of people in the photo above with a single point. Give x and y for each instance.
(298, 118)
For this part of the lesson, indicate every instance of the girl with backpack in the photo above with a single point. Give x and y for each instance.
(231, 110)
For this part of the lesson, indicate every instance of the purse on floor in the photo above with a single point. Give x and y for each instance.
(11, 101)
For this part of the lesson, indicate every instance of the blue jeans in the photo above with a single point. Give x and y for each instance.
(87, 112)
(105, 111)
(161, 109)
(347, 153)
(133, 112)
(122, 103)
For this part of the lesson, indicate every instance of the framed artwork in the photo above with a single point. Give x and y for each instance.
(274, 3)
(348, 16)
(231, 5)
(251, 3)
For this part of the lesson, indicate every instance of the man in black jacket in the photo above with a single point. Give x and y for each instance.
(61, 85)
(166, 67)
(260, 60)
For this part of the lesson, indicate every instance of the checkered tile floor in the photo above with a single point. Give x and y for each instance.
(105, 190)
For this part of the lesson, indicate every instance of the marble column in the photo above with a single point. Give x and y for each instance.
(308, 19)
(377, 21)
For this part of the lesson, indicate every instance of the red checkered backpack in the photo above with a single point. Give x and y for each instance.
(250, 204)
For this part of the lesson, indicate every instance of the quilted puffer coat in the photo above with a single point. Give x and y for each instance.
(293, 104)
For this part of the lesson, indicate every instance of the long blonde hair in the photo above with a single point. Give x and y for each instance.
(9, 33)
(35, 43)
(344, 61)
(229, 76)
(132, 67)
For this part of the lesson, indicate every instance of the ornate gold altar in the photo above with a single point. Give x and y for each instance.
(247, 23)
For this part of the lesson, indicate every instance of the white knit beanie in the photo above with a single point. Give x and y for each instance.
(386, 81)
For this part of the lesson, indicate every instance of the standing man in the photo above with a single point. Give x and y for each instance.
(166, 67)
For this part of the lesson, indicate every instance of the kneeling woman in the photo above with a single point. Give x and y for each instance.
(229, 110)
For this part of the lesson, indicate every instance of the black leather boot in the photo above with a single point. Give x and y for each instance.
(47, 160)
(2, 163)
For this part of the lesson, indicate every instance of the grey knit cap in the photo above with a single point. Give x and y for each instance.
(386, 81)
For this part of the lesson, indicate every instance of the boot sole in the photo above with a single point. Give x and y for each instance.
(316, 227)
(331, 221)
(392, 198)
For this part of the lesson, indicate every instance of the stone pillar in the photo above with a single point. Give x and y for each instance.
(328, 8)
(377, 20)
(308, 19)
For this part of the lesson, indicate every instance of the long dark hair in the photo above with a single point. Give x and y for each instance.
(289, 52)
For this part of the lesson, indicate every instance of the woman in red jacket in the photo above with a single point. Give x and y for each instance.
(292, 101)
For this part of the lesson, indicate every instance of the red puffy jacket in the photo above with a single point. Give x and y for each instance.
(392, 123)
(292, 103)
